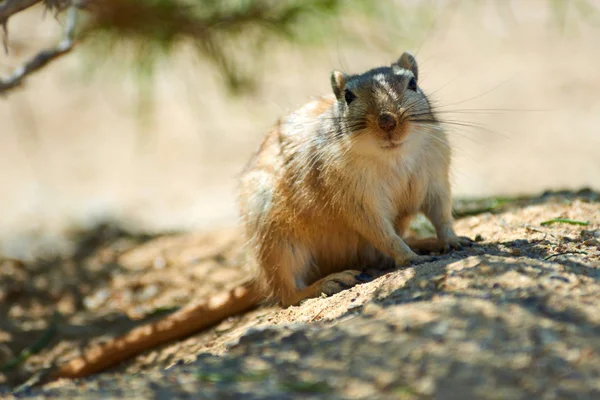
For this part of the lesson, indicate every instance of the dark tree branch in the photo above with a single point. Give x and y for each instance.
(151, 29)
(8, 8)
(43, 57)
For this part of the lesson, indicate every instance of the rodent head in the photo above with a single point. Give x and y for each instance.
(381, 101)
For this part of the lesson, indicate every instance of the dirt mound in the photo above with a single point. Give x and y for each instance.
(515, 316)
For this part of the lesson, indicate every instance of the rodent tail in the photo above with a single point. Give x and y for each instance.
(190, 319)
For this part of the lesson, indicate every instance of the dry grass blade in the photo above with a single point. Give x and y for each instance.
(36, 347)
(564, 221)
(563, 254)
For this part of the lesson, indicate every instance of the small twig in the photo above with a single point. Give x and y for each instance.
(5, 35)
(564, 221)
(44, 56)
(318, 314)
(566, 252)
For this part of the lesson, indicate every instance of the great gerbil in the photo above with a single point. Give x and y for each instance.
(335, 184)
(330, 191)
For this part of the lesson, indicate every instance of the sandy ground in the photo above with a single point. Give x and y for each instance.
(515, 316)
(74, 151)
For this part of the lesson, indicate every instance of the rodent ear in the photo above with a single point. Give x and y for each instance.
(407, 61)
(338, 83)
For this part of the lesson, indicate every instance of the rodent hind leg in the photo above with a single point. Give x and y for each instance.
(333, 284)
(285, 266)
(290, 266)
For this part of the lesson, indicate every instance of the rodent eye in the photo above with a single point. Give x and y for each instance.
(349, 96)
(412, 84)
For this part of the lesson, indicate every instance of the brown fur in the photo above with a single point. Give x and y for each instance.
(329, 192)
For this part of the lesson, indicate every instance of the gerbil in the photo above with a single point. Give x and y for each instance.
(330, 191)
(335, 184)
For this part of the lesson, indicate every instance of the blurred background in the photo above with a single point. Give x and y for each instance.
(149, 127)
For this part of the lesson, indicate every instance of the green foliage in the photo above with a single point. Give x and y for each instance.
(235, 35)
(226, 33)
(132, 37)
(582, 10)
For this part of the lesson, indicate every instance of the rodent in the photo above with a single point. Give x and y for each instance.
(335, 184)
(330, 191)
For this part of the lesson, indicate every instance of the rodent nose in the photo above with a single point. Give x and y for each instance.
(386, 121)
